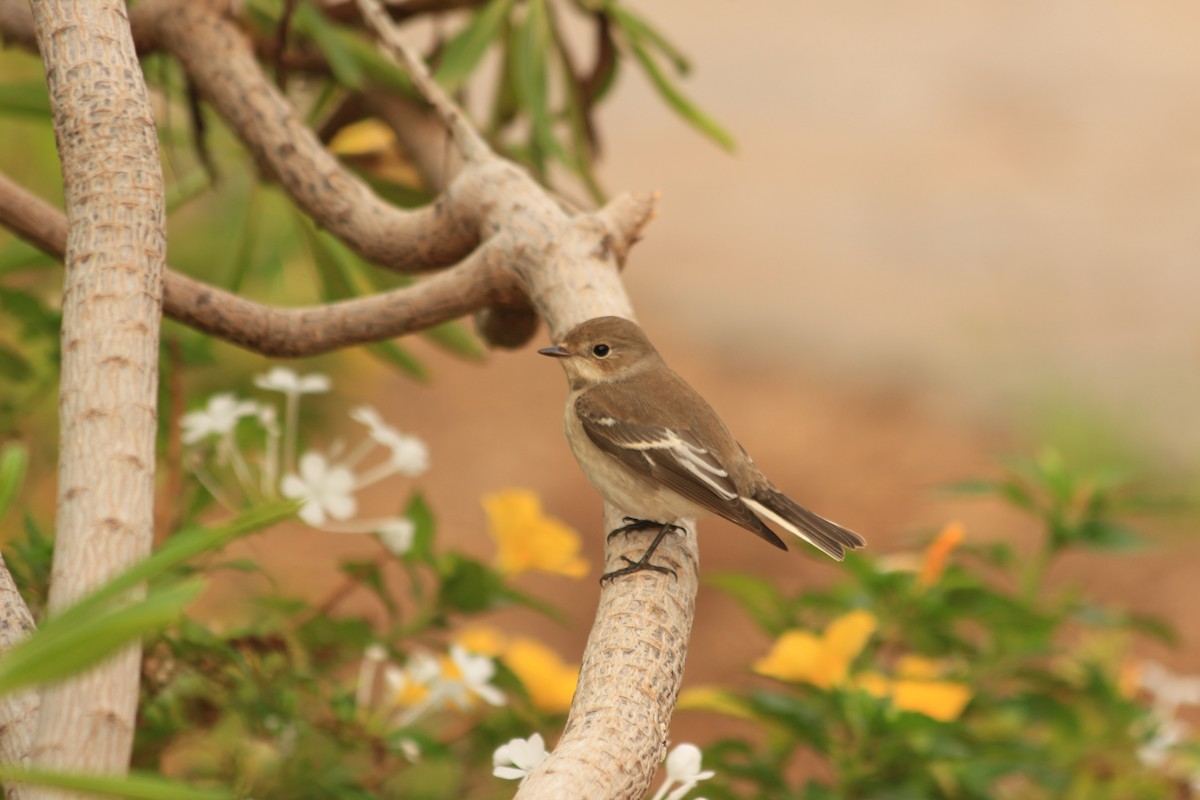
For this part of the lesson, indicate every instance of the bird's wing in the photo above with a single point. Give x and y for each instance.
(672, 456)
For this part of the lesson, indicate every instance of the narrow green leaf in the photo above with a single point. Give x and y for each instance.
(675, 98)
(422, 518)
(24, 100)
(134, 786)
(464, 52)
(530, 73)
(14, 458)
(337, 267)
(637, 27)
(455, 337)
(62, 648)
(343, 62)
(397, 356)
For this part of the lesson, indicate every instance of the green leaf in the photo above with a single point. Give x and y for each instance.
(64, 647)
(370, 575)
(14, 366)
(343, 62)
(1107, 535)
(529, 64)
(676, 99)
(467, 585)
(397, 356)
(25, 100)
(134, 786)
(35, 319)
(757, 596)
(637, 27)
(14, 459)
(464, 52)
(455, 337)
(422, 518)
(18, 255)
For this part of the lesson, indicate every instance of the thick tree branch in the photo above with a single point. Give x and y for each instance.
(116, 243)
(616, 733)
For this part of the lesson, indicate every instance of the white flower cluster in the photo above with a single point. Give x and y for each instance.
(520, 757)
(324, 484)
(1170, 735)
(426, 684)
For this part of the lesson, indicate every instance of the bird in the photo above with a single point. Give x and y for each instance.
(653, 447)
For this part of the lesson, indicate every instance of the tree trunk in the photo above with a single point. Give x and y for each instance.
(111, 311)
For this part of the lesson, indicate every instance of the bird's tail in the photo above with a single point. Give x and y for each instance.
(828, 537)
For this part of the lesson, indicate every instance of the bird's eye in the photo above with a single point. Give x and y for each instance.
(600, 350)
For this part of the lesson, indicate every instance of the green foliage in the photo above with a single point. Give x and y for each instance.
(1047, 714)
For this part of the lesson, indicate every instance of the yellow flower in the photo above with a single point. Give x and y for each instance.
(549, 681)
(942, 700)
(363, 138)
(712, 698)
(917, 688)
(824, 660)
(483, 640)
(526, 539)
(939, 550)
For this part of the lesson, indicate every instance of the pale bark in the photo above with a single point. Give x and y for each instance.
(18, 711)
(111, 310)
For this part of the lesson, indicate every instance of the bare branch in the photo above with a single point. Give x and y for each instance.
(469, 142)
(478, 283)
(220, 61)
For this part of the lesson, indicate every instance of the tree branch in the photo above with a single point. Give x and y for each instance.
(477, 283)
(616, 733)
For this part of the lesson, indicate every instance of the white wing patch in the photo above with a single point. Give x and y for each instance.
(690, 456)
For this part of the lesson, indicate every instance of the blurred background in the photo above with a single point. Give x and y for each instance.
(950, 233)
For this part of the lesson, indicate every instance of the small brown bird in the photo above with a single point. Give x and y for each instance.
(654, 448)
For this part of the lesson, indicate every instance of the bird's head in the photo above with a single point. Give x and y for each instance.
(602, 350)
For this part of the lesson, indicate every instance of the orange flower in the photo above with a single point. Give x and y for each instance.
(527, 539)
(939, 550)
(917, 688)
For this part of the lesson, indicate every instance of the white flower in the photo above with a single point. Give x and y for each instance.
(397, 535)
(327, 490)
(1170, 689)
(683, 767)
(218, 418)
(1167, 736)
(518, 758)
(411, 749)
(282, 379)
(409, 456)
(474, 672)
(269, 419)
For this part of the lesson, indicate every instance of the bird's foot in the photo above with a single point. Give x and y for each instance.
(642, 564)
(633, 524)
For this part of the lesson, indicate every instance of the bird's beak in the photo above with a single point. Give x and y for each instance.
(558, 351)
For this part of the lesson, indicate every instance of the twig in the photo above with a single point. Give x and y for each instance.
(469, 142)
